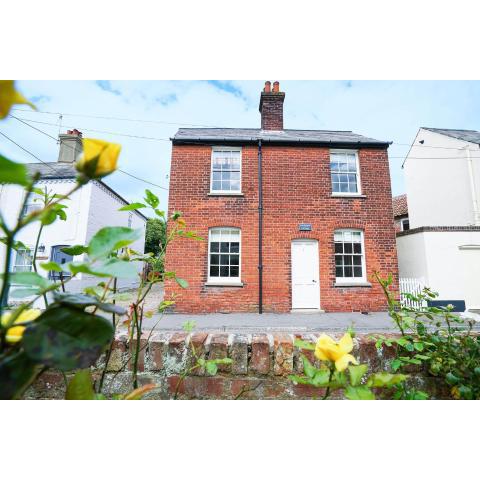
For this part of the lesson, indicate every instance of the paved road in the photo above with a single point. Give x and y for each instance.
(273, 322)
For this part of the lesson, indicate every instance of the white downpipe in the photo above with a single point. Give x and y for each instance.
(476, 217)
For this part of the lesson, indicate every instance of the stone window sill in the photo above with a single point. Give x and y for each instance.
(335, 195)
(236, 194)
(224, 284)
(352, 284)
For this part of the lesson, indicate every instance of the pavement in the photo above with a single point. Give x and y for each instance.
(275, 322)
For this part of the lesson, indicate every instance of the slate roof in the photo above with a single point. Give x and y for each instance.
(252, 135)
(59, 170)
(52, 169)
(466, 135)
(400, 206)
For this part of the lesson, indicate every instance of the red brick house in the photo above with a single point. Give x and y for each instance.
(291, 219)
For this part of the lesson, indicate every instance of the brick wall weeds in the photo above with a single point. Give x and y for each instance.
(260, 368)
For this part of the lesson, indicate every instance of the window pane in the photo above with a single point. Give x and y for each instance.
(352, 188)
(343, 187)
(357, 271)
(214, 259)
(216, 185)
(338, 260)
(234, 259)
(224, 271)
(357, 260)
(235, 176)
(214, 271)
(214, 247)
(343, 167)
(338, 236)
(357, 248)
(339, 272)
(235, 185)
(217, 176)
(347, 260)
(224, 247)
(225, 175)
(224, 259)
(348, 271)
(335, 187)
(234, 271)
(338, 247)
(348, 247)
(235, 247)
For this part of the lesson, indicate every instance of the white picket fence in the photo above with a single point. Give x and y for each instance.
(414, 286)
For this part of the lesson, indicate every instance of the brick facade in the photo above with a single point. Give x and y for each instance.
(296, 189)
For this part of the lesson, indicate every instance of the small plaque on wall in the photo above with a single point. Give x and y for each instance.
(305, 227)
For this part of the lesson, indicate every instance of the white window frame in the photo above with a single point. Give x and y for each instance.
(225, 280)
(402, 226)
(348, 280)
(15, 264)
(225, 192)
(359, 179)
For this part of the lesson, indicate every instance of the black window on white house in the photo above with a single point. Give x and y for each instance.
(226, 170)
(344, 170)
(349, 256)
(224, 255)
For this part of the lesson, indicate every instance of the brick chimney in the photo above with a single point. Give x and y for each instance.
(70, 146)
(271, 107)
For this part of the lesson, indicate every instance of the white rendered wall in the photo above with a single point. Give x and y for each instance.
(438, 183)
(449, 262)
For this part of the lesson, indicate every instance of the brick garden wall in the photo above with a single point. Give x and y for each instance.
(260, 368)
(297, 189)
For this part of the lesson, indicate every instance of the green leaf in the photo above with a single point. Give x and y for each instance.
(80, 386)
(23, 292)
(385, 379)
(17, 244)
(83, 300)
(151, 199)
(356, 373)
(222, 361)
(302, 344)
(74, 250)
(67, 338)
(308, 368)
(12, 172)
(465, 392)
(189, 325)
(359, 393)
(17, 371)
(211, 367)
(321, 378)
(132, 206)
(396, 364)
(109, 239)
(29, 278)
(419, 346)
(183, 283)
(47, 217)
(51, 266)
(451, 379)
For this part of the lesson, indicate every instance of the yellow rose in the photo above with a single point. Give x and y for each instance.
(9, 96)
(327, 349)
(14, 334)
(99, 158)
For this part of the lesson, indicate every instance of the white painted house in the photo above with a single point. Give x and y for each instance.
(92, 207)
(442, 245)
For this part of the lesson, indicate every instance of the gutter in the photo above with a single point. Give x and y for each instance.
(260, 229)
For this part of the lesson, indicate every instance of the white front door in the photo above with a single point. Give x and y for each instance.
(305, 277)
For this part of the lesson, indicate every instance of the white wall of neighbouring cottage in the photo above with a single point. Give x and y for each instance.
(438, 184)
(89, 209)
(448, 261)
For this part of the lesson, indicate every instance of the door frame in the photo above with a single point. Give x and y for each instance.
(316, 242)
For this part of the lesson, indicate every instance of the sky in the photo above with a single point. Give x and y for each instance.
(384, 110)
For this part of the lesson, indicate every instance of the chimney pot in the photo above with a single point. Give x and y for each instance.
(267, 87)
(276, 87)
(70, 146)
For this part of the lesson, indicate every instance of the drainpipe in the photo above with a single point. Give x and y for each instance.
(260, 229)
(476, 217)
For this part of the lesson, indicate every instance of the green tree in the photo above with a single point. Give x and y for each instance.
(155, 236)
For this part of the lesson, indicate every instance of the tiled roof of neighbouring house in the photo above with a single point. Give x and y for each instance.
(466, 135)
(252, 135)
(400, 206)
